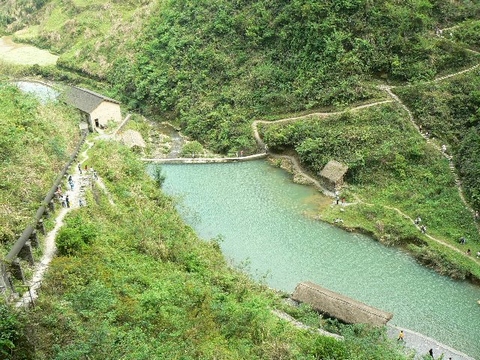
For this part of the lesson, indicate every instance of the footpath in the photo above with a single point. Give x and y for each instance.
(420, 345)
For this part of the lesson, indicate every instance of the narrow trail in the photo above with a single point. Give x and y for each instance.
(82, 180)
(401, 213)
(388, 89)
(311, 116)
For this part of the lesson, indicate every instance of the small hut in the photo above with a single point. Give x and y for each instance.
(332, 175)
(133, 139)
(97, 110)
(339, 306)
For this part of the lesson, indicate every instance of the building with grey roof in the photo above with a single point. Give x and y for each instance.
(97, 110)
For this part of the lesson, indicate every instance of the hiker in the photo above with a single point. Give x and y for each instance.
(430, 352)
(95, 176)
(444, 148)
(462, 241)
(401, 336)
(478, 254)
(477, 215)
(423, 228)
(418, 220)
(79, 168)
(67, 201)
(469, 252)
(64, 201)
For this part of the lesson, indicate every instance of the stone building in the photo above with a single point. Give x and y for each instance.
(97, 110)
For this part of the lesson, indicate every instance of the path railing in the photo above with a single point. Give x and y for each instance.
(23, 246)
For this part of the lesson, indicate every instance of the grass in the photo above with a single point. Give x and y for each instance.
(391, 168)
(146, 287)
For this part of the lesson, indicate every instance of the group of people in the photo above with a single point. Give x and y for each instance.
(463, 241)
(63, 198)
(423, 227)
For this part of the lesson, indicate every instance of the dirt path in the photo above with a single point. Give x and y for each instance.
(82, 180)
(312, 116)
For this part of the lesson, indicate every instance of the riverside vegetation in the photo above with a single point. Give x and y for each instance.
(212, 67)
(133, 281)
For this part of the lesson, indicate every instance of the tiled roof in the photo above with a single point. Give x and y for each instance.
(84, 99)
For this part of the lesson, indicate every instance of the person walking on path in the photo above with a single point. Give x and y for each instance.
(430, 352)
(401, 336)
(67, 201)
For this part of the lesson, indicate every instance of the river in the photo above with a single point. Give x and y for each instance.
(261, 217)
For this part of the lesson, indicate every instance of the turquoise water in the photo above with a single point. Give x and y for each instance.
(260, 214)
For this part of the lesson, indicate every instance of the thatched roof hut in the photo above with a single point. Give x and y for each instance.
(132, 138)
(339, 306)
(332, 175)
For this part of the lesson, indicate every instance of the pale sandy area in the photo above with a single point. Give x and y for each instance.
(23, 54)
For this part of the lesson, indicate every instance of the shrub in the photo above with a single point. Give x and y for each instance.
(192, 149)
(76, 236)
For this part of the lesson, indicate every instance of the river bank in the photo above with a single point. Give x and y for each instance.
(333, 214)
(264, 224)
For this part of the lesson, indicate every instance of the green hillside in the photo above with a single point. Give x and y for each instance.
(131, 280)
(36, 140)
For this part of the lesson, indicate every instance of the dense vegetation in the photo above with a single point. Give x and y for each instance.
(131, 280)
(450, 111)
(134, 282)
(36, 141)
(215, 65)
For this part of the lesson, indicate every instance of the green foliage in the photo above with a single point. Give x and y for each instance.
(192, 149)
(9, 330)
(76, 235)
(36, 141)
(450, 112)
(469, 165)
(327, 50)
(158, 176)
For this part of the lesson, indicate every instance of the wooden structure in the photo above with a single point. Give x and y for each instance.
(332, 175)
(339, 306)
(97, 110)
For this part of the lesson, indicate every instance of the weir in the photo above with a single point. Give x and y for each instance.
(203, 160)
